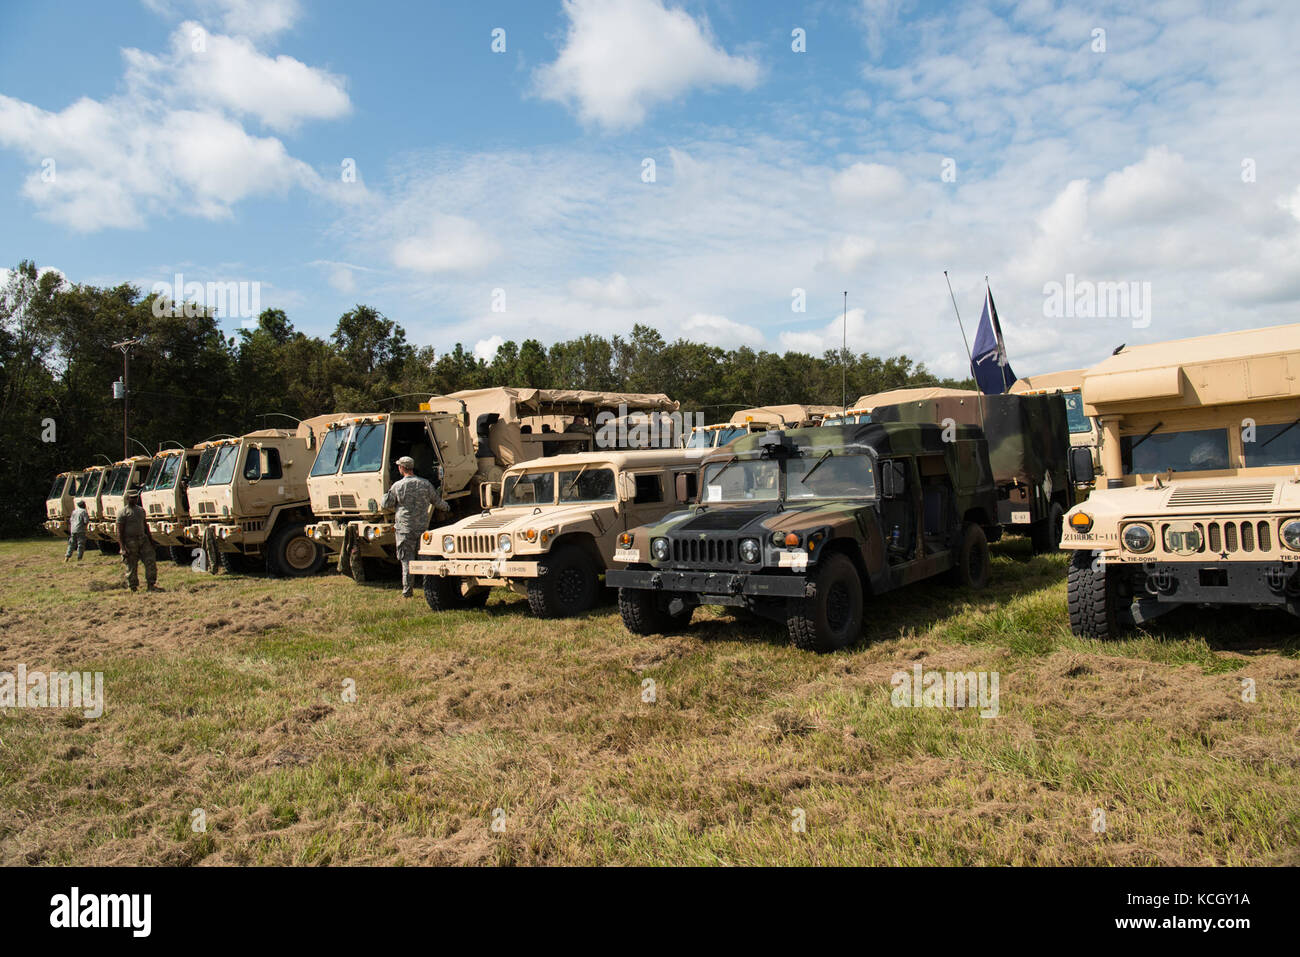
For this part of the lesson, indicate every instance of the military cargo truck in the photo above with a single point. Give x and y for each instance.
(96, 483)
(551, 537)
(166, 504)
(248, 501)
(1084, 431)
(759, 419)
(462, 443)
(125, 475)
(802, 526)
(1198, 501)
(1028, 437)
(61, 500)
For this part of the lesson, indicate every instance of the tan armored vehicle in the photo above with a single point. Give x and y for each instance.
(1084, 431)
(61, 500)
(125, 475)
(248, 501)
(166, 504)
(95, 485)
(462, 443)
(556, 528)
(1198, 501)
(759, 419)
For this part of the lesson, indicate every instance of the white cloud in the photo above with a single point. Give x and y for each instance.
(847, 254)
(871, 182)
(622, 57)
(615, 292)
(448, 244)
(251, 18)
(486, 349)
(721, 331)
(342, 279)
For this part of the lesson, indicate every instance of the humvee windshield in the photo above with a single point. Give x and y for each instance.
(366, 450)
(1273, 445)
(1202, 450)
(56, 489)
(223, 466)
(331, 451)
(168, 472)
(574, 485)
(815, 474)
(200, 476)
(708, 438)
(120, 475)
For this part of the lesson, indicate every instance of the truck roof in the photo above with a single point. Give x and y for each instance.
(898, 396)
(1253, 365)
(618, 458)
(513, 403)
(1065, 381)
(886, 437)
(784, 415)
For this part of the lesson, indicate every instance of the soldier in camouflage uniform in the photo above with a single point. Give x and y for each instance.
(78, 522)
(411, 496)
(137, 544)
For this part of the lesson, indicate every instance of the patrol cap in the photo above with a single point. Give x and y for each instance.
(406, 462)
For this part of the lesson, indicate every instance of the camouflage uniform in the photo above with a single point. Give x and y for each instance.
(77, 526)
(137, 546)
(411, 496)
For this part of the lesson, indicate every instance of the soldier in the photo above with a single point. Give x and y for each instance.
(137, 543)
(411, 496)
(77, 525)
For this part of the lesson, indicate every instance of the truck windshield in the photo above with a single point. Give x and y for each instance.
(167, 474)
(743, 481)
(120, 475)
(155, 469)
(530, 488)
(79, 485)
(223, 466)
(1274, 445)
(1078, 422)
(587, 485)
(366, 450)
(57, 488)
(331, 451)
(1202, 450)
(200, 476)
(815, 474)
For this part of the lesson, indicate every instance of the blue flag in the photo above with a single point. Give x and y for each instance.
(989, 362)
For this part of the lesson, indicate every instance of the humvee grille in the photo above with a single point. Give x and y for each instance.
(1216, 495)
(476, 544)
(1245, 536)
(704, 551)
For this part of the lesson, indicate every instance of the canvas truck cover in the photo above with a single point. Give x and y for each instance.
(786, 416)
(1065, 381)
(895, 396)
(1028, 435)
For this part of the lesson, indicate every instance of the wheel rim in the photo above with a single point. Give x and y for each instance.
(300, 553)
(570, 586)
(838, 607)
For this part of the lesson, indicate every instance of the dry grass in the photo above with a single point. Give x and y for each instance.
(225, 694)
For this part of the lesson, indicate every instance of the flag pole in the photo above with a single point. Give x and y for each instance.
(844, 347)
(970, 359)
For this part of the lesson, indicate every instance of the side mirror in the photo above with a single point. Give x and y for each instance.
(487, 496)
(893, 479)
(1081, 470)
(681, 486)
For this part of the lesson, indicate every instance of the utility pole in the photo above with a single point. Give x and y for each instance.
(844, 350)
(126, 345)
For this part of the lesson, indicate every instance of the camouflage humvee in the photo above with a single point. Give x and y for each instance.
(762, 418)
(61, 500)
(462, 443)
(166, 503)
(1200, 503)
(800, 526)
(125, 475)
(551, 536)
(248, 501)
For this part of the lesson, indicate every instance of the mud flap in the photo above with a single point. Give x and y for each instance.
(211, 555)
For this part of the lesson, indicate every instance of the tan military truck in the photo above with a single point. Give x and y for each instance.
(462, 443)
(248, 501)
(555, 529)
(759, 419)
(1198, 501)
(61, 500)
(1084, 431)
(125, 475)
(95, 485)
(166, 504)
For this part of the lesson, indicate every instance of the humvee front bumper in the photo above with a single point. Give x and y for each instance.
(485, 569)
(719, 584)
(1222, 583)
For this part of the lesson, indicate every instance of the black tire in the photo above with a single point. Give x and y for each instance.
(444, 594)
(110, 548)
(1093, 598)
(971, 562)
(567, 584)
(643, 613)
(832, 618)
(291, 554)
(1046, 534)
(232, 563)
(92, 544)
(182, 554)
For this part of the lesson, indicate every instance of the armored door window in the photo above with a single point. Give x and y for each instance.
(271, 464)
(252, 465)
(649, 489)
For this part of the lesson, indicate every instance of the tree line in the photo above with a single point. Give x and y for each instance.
(190, 381)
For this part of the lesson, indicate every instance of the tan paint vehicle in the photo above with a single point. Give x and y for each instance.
(556, 529)
(462, 443)
(248, 501)
(125, 475)
(1198, 501)
(1085, 433)
(92, 494)
(166, 505)
(61, 500)
(759, 419)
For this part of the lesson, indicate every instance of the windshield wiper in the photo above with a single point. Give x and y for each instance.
(568, 488)
(1282, 433)
(1150, 432)
(818, 464)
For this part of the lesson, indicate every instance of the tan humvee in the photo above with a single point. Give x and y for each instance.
(759, 419)
(124, 476)
(61, 500)
(248, 501)
(462, 443)
(556, 529)
(1084, 431)
(166, 505)
(1198, 501)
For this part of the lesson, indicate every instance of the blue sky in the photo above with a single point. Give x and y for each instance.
(501, 195)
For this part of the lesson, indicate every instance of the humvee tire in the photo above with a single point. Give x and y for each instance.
(110, 548)
(1046, 534)
(971, 562)
(567, 586)
(444, 594)
(643, 615)
(181, 554)
(1093, 599)
(291, 554)
(832, 618)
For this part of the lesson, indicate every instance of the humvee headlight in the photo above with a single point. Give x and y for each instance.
(1291, 534)
(503, 542)
(749, 550)
(1081, 522)
(659, 549)
(1138, 538)
(448, 543)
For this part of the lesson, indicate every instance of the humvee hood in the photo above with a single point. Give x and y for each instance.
(743, 517)
(509, 519)
(1199, 496)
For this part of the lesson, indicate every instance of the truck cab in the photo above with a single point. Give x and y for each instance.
(1085, 433)
(125, 475)
(1198, 501)
(166, 502)
(551, 537)
(801, 526)
(61, 500)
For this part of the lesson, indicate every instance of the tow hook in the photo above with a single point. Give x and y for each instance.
(1161, 583)
(656, 580)
(809, 589)
(1276, 579)
(735, 585)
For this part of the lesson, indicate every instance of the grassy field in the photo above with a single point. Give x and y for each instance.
(226, 694)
